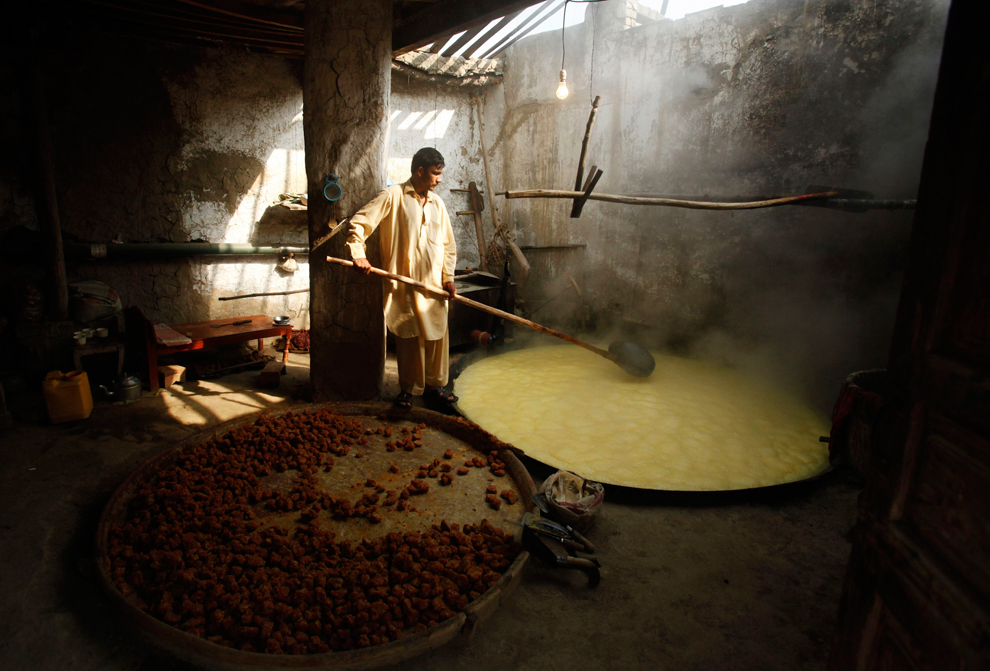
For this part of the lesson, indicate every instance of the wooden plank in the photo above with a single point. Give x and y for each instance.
(447, 18)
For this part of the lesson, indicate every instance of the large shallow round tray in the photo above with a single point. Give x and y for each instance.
(443, 502)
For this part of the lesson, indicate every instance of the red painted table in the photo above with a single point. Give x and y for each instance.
(212, 334)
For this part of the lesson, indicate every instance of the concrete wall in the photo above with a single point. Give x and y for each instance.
(427, 114)
(170, 143)
(173, 143)
(763, 98)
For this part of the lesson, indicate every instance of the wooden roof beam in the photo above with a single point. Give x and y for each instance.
(292, 20)
(488, 33)
(447, 18)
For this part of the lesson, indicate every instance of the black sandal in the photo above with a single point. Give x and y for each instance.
(404, 400)
(440, 398)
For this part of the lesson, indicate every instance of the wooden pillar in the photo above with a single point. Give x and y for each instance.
(346, 90)
(46, 201)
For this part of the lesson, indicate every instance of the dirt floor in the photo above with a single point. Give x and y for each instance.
(746, 581)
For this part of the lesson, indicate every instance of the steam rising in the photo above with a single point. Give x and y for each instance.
(753, 100)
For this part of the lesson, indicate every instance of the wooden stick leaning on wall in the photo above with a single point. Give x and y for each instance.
(270, 293)
(667, 202)
(499, 228)
(477, 205)
(575, 210)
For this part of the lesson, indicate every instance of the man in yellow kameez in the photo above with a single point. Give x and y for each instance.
(416, 240)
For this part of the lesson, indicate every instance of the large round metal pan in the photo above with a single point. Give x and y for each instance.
(471, 358)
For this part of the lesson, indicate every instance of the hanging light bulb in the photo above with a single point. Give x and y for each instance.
(562, 89)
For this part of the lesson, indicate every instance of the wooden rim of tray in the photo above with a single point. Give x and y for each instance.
(209, 655)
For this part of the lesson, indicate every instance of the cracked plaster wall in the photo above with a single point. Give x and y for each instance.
(169, 143)
(157, 142)
(426, 114)
(763, 98)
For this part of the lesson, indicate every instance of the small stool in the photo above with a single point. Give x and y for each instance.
(271, 375)
(169, 375)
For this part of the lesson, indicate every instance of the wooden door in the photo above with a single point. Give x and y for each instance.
(917, 590)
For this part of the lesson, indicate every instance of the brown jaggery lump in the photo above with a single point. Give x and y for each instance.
(417, 486)
(446, 479)
(510, 496)
(449, 454)
(493, 501)
(463, 470)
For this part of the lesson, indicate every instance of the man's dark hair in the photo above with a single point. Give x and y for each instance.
(426, 157)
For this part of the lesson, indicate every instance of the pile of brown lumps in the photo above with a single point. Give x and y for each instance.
(195, 554)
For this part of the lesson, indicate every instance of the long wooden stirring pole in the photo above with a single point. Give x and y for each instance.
(440, 293)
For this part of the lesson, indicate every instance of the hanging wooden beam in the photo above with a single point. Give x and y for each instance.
(454, 15)
(593, 176)
(497, 49)
(667, 202)
(584, 152)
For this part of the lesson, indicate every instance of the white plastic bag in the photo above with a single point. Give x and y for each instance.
(575, 500)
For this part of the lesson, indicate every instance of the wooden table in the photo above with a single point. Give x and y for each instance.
(100, 346)
(203, 335)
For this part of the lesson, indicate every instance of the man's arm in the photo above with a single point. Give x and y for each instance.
(363, 224)
(449, 252)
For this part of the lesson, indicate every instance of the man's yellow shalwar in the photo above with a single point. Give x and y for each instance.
(416, 241)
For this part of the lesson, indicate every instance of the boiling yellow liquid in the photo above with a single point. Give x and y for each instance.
(691, 426)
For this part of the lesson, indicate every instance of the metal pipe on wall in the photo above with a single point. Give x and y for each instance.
(141, 250)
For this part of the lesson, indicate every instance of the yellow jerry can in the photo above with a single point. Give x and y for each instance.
(67, 395)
